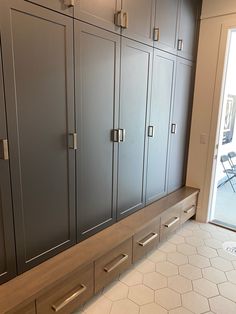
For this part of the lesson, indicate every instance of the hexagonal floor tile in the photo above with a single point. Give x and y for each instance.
(167, 269)
(179, 284)
(221, 264)
(195, 302)
(177, 258)
(180, 310)
(155, 281)
(226, 255)
(190, 272)
(194, 241)
(152, 308)
(207, 251)
(157, 256)
(186, 249)
(176, 239)
(116, 291)
(131, 278)
(228, 290)
(124, 307)
(214, 275)
(141, 294)
(213, 243)
(167, 298)
(145, 266)
(205, 287)
(98, 305)
(199, 261)
(167, 247)
(231, 275)
(201, 234)
(220, 305)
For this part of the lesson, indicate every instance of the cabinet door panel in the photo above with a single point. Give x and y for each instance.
(56, 5)
(167, 22)
(7, 246)
(180, 117)
(161, 102)
(38, 69)
(99, 13)
(135, 75)
(141, 14)
(97, 75)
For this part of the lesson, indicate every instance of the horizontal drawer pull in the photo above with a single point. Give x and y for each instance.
(188, 211)
(148, 239)
(60, 306)
(117, 262)
(172, 222)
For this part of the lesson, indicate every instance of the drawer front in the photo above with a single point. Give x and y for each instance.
(188, 208)
(69, 294)
(112, 264)
(146, 240)
(28, 309)
(170, 221)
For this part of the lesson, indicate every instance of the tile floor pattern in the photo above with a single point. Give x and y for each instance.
(190, 273)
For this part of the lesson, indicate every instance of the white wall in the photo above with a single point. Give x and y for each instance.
(218, 7)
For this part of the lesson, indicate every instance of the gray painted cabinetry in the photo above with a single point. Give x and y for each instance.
(61, 6)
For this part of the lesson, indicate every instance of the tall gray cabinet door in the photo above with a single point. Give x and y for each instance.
(62, 6)
(38, 70)
(97, 91)
(98, 13)
(140, 20)
(180, 123)
(188, 28)
(7, 246)
(136, 63)
(166, 24)
(159, 121)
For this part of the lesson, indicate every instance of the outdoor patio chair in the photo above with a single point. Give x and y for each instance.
(230, 173)
(232, 160)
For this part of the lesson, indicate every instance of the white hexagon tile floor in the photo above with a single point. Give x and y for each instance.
(190, 273)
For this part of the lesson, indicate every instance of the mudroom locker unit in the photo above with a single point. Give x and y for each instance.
(95, 108)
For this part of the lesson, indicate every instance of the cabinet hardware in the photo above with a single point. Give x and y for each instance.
(74, 139)
(188, 211)
(151, 130)
(173, 128)
(69, 3)
(148, 239)
(121, 135)
(121, 19)
(172, 222)
(180, 45)
(115, 135)
(57, 307)
(4, 152)
(156, 34)
(118, 135)
(117, 262)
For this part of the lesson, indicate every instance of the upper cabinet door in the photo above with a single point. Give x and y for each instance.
(136, 64)
(62, 6)
(139, 20)
(7, 246)
(188, 28)
(166, 25)
(99, 13)
(97, 61)
(158, 128)
(38, 70)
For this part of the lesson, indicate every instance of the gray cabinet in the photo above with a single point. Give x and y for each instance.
(62, 6)
(37, 47)
(136, 62)
(98, 13)
(7, 245)
(140, 15)
(97, 63)
(159, 120)
(180, 123)
(166, 24)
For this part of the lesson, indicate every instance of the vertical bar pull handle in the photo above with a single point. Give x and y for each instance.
(69, 3)
(4, 152)
(173, 128)
(121, 135)
(180, 45)
(74, 145)
(151, 130)
(121, 19)
(156, 34)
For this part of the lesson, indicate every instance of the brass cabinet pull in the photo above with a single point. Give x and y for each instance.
(148, 239)
(151, 131)
(108, 268)
(118, 135)
(172, 222)
(75, 139)
(69, 3)
(156, 34)
(121, 19)
(57, 307)
(188, 211)
(180, 45)
(4, 153)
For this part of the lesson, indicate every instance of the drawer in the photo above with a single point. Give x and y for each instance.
(170, 221)
(146, 240)
(110, 265)
(28, 309)
(69, 294)
(188, 208)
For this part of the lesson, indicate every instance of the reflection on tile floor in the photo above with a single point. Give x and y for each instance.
(190, 273)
